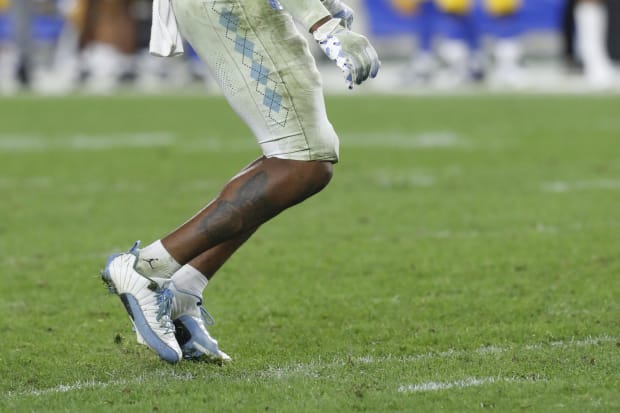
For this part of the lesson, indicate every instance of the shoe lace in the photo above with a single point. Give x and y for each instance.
(164, 301)
(206, 316)
(135, 249)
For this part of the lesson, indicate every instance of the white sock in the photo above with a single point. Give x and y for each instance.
(591, 21)
(155, 261)
(189, 279)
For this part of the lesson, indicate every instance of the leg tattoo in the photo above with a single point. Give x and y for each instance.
(249, 207)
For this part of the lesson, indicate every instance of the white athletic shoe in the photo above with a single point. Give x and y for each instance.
(190, 320)
(149, 305)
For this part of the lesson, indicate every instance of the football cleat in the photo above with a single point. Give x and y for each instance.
(148, 304)
(190, 321)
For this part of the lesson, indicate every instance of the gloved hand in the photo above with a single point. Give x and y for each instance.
(352, 52)
(340, 11)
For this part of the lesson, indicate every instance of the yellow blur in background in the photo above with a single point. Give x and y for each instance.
(455, 6)
(406, 7)
(493, 7)
(502, 7)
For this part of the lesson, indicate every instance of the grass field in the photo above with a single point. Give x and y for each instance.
(465, 258)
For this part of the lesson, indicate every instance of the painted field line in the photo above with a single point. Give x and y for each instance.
(316, 368)
(585, 342)
(86, 142)
(389, 140)
(465, 383)
(422, 140)
(97, 142)
(599, 184)
(313, 368)
(96, 384)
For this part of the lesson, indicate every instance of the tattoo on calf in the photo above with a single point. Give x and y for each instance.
(249, 208)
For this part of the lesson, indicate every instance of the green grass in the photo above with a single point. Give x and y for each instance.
(466, 257)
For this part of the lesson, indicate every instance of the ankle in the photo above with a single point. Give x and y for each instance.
(189, 280)
(155, 261)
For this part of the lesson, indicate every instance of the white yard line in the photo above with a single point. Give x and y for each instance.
(84, 142)
(598, 184)
(97, 142)
(96, 384)
(389, 140)
(310, 369)
(316, 368)
(399, 140)
(464, 383)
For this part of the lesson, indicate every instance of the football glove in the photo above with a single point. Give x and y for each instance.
(352, 52)
(340, 11)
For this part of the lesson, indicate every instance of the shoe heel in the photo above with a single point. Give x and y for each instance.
(105, 274)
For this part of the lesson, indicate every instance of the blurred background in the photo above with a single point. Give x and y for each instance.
(101, 47)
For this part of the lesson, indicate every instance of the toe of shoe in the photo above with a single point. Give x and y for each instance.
(170, 354)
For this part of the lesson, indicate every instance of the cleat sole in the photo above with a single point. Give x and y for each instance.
(151, 339)
(143, 330)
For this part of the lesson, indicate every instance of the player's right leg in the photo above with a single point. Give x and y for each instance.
(267, 73)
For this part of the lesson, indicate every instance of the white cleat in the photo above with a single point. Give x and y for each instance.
(148, 304)
(190, 320)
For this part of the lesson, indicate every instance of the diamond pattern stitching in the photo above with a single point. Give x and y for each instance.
(266, 83)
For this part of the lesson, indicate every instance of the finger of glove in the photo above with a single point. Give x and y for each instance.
(375, 64)
(362, 65)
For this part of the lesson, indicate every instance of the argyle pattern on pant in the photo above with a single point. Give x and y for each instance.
(267, 83)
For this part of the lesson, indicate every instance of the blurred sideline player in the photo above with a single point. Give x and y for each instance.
(591, 24)
(98, 39)
(463, 32)
(425, 20)
(108, 41)
(100, 27)
(15, 65)
(8, 56)
(114, 40)
(64, 72)
(269, 77)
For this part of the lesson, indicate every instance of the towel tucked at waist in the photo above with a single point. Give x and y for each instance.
(166, 39)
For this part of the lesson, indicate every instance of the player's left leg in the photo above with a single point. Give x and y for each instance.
(147, 304)
(250, 199)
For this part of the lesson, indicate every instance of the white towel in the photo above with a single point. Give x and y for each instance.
(166, 39)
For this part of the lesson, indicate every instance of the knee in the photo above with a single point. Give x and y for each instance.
(322, 174)
(304, 178)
